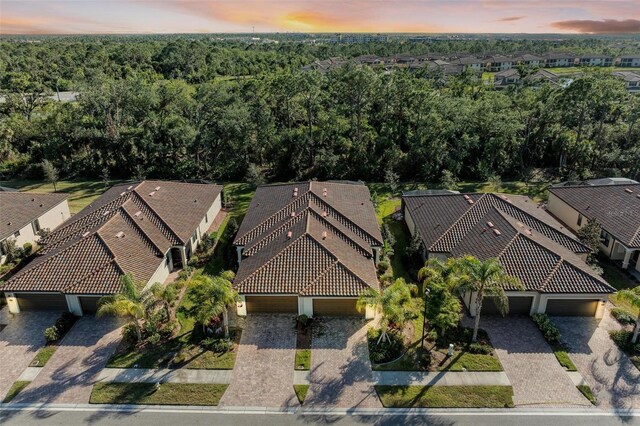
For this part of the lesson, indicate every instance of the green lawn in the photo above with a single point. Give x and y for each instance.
(563, 358)
(165, 394)
(301, 392)
(43, 356)
(16, 388)
(303, 359)
(446, 396)
(473, 362)
(586, 391)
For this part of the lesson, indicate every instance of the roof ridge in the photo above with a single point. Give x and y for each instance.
(322, 274)
(553, 271)
(335, 256)
(157, 217)
(275, 231)
(129, 219)
(462, 216)
(340, 232)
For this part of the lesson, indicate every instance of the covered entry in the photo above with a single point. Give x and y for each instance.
(42, 302)
(335, 307)
(272, 304)
(89, 304)
(518, 305)
(572, 307)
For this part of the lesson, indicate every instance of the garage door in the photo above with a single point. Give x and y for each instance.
(41, 302)
(272, 304)
(518, 305)
(89, 304)
(572, 307)
(335, 307)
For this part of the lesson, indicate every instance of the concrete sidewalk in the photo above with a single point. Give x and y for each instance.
(423, 378)
(182, 375)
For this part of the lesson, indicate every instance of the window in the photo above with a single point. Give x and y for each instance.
(605, 238)
(206, 218)
(17, 234)
(579, 219)
(36, 226)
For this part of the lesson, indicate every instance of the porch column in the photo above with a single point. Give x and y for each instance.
(241, 306)
(12, 303)
(627, 258)
(239, 252)
(183, 256)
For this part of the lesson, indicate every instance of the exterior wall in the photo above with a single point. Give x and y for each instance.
(206, 221)
(12, 303)
(162, 272)
(542, 303)
(74, 304)
(241, 306)
(638, 265)
(630, 62)
(617, 252)
(409, 221)
(563, 211)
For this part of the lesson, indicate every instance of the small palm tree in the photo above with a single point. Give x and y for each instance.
(165, 296)
(394, 303)
(487, 279)
(129, 303)
(633, 297)
(211, 297)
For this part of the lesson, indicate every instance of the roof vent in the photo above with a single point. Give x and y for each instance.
(497, 231)
(324, 235)
(325, 214)
(106, 212)
(295, 192)
(138, 213)
(490, 224)
(120, 234)
(86, 234)
(293, 213)
(470, 201)
(628, 190)
(289, 234)
(122, 193)
(520, 224)
(324, 192)
(129, 187)
(528, 232)
(465, 196)
(151, 193)
(41, 205)
(157, 188)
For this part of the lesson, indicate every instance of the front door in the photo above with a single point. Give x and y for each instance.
(176, 258)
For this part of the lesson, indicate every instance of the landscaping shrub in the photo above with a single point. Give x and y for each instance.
(193, 262)
(384, 351)
(216, 344)
(129, 333)
(383, 266)
(27, 249)
(51, 334)
(622, 338)
(623, 317)
(480, 349)
(548, 329)
(303, 320)
(208, 241)
(60, 328)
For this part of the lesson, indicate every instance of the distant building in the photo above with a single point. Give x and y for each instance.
(471, 62)
(358, 38)
(530, 60)
(630, 61)
(595, 61)
(631, 80)
(511, 77)
(558, 60)
(499, 63)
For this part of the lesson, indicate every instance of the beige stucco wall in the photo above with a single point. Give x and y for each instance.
(161, 274)
(567, 214)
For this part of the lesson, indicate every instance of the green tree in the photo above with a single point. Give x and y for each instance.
(589, 235)
(51, 173)
(633, 297)
(211, 297)
(394, 303)
(128, 303)
(485, 279)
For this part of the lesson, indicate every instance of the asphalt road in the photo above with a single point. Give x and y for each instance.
(179, 418)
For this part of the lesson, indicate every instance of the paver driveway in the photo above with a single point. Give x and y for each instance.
(609, 372)
(263, 374)
(20, 340)
(70, 373)
(535, 374)
(340, 373)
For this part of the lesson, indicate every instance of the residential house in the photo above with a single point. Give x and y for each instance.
(529, 243)
(631, 80)
(369, 60)
(559, 60)
(23, 215)
(512, 77)
(630, 61)
(307, 248)
(500, 63)
(529, 60)
(595, 61)
(615, 205)
(472, 63)
(146, 229)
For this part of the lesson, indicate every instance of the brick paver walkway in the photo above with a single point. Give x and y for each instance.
(20, 341)
(340, 373)
(535, 374)
(609, 372)
(263, 374)
(69, 375)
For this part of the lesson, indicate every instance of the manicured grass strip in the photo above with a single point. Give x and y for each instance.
(16, 388)
(43, 356)
(301, 392)
(151, 394)
(474, 362)
(446, 396)
(586, 391)
(563, 358)
(303, 359)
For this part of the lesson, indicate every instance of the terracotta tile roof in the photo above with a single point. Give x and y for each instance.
(18, 209)
(309, 242)
(615, 207)
(529, 243)
(121, 232)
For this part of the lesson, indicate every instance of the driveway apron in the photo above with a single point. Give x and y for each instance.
(533, 370)
(340, 373)
(20, 341)
(263, 374)
(609, 372)
(69, 375)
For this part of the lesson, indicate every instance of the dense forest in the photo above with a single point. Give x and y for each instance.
(198, 108)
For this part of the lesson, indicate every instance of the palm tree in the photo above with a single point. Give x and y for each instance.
(633, 297)
(165, 295)
(211, 297)
(487, 279)
(394, 303)
(129, 303)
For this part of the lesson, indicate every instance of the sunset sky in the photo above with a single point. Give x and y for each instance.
(212, 16)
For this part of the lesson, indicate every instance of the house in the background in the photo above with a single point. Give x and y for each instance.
(23, 215)
(529, 60)
(498, 63)
(146, 229)
(631, 80)
(471, 62)
(512, 77)
(559, 60)
(307, 248)
(614, 204)
(528, 242)
(595, 60)
(629, 61)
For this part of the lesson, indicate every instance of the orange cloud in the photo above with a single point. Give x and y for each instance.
(511, 18)
(606, 26)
